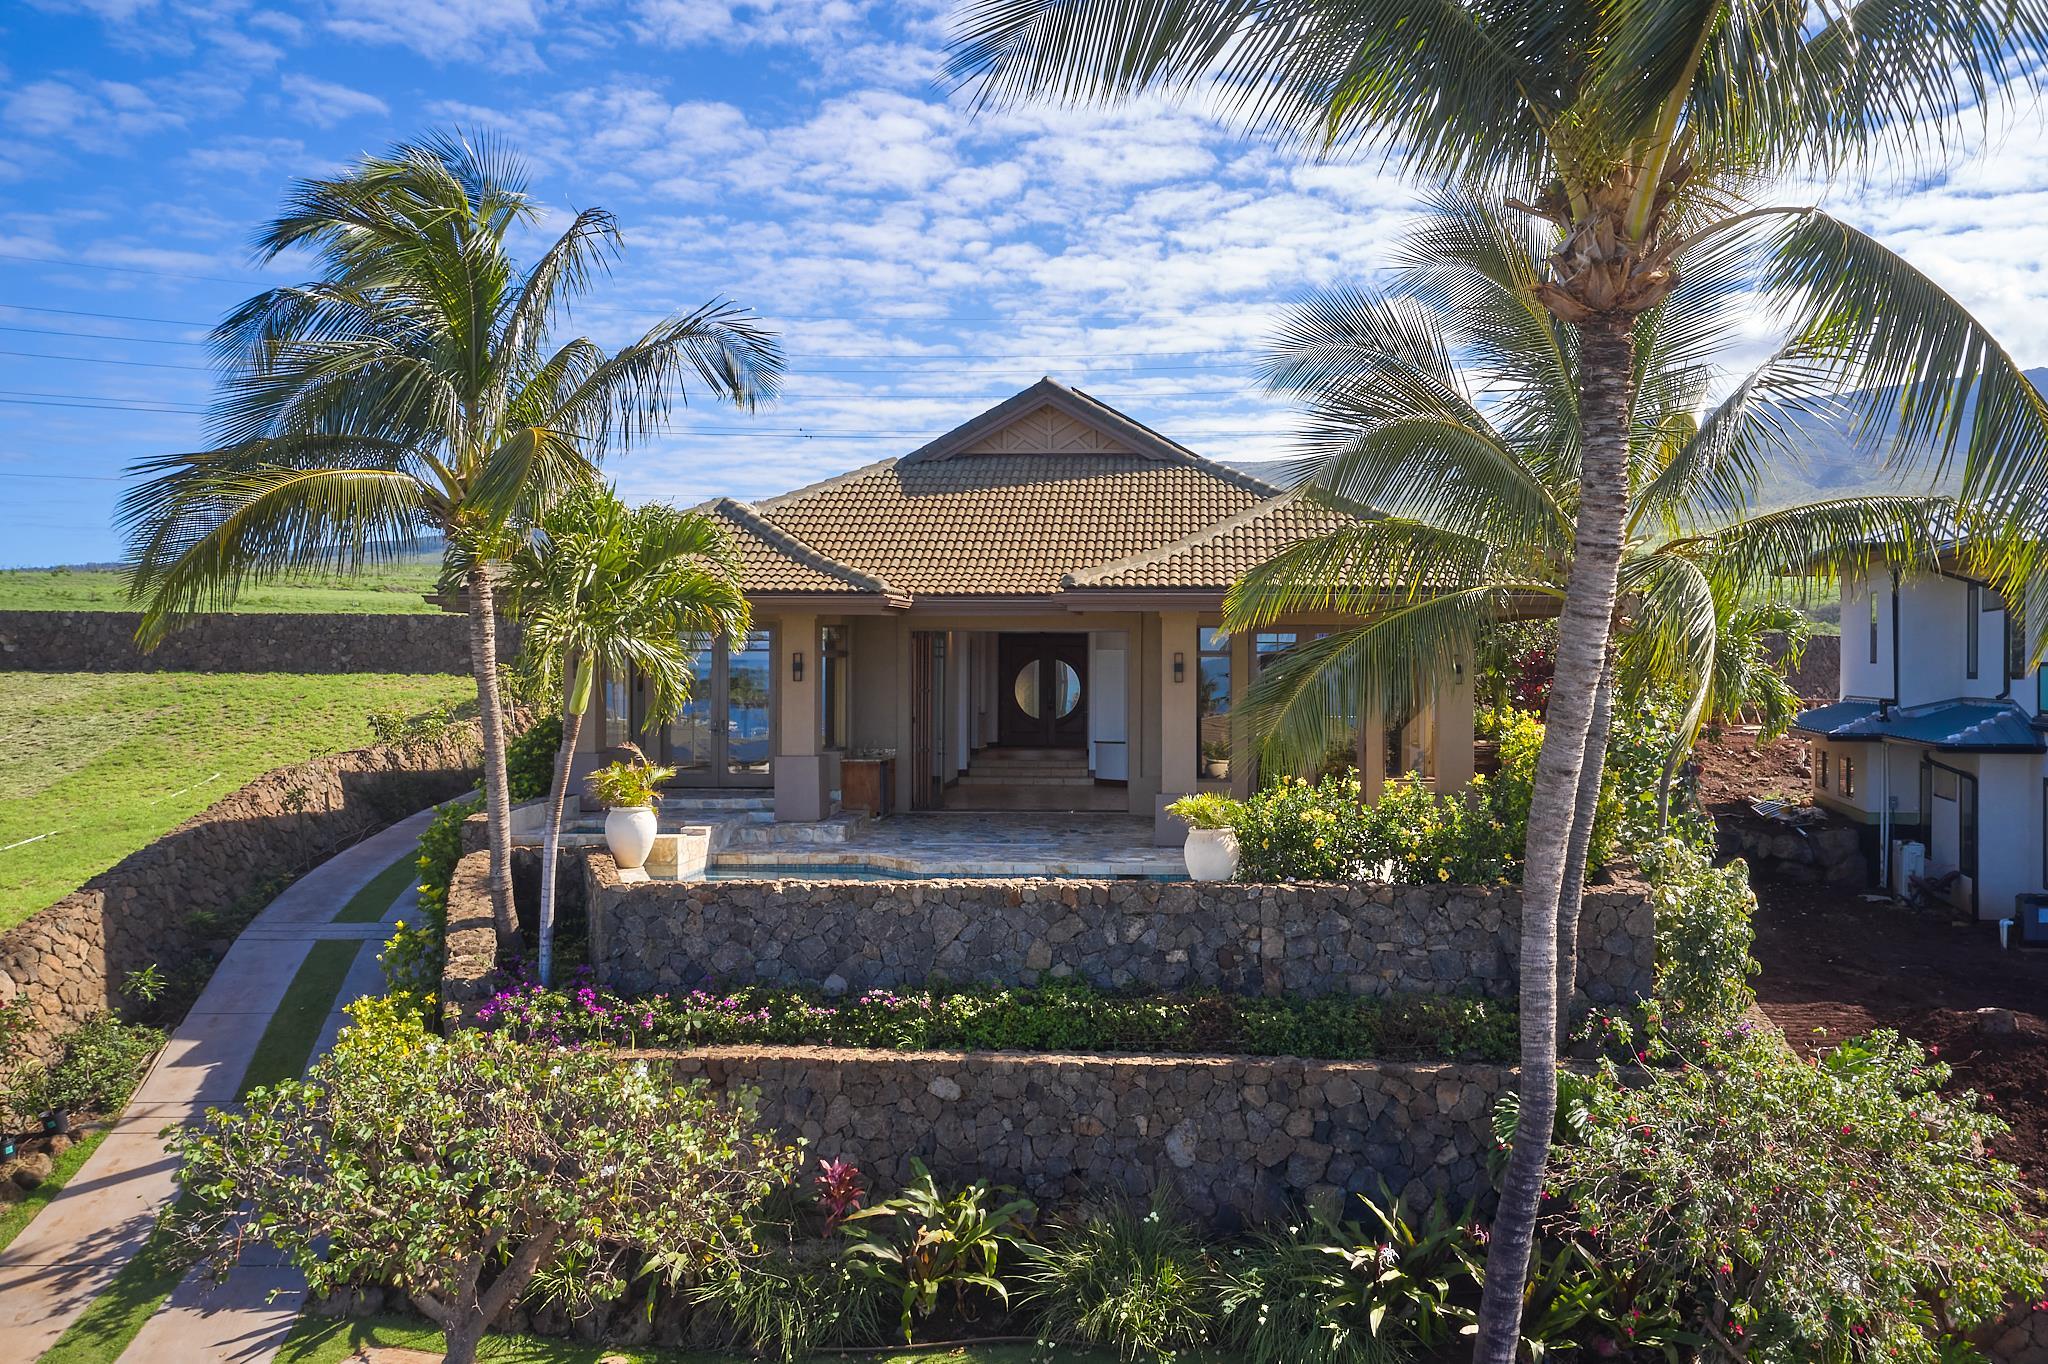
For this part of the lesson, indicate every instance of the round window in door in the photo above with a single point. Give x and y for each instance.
(1030, 694)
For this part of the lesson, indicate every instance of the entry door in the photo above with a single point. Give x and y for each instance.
(1044, 691)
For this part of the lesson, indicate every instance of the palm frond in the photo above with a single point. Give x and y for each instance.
(1355, 571)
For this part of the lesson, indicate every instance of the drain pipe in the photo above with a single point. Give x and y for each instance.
(1884, 816)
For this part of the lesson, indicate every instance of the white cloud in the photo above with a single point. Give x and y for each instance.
(326, 103)
(494, 31)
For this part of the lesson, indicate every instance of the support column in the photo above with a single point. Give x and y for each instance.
(1372, 755)
(1453, 705)
(799, 766)
(1177, 715)
(1244, 761)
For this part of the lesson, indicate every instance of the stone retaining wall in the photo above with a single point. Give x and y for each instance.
(1235, 1138)
(104, 642)
(70, 958)
(471, 940)
(658, 936)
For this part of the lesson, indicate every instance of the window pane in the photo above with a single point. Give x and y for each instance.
(1025, 689)
(832, 686)
(689, 734)
(749, 693)
(1212, 701)
(618, 710)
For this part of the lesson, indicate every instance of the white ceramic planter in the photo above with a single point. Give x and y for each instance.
(629, 833)
(1211, 854)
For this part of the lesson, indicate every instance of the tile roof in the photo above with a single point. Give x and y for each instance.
(1957, 726)
(1045, 484)
(1217, 556)
(772, 562)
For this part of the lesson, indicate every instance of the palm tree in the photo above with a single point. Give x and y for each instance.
(415, 388)
(1640, 133)
(601, 585)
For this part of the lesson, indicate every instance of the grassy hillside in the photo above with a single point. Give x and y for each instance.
(390, 590)
(104, 763)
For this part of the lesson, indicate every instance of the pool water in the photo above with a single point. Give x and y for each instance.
(868, 871)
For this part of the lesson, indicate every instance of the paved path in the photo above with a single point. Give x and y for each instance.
(71, 1251)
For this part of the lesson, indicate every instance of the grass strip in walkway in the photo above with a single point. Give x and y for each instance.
(374, 901)
(320, 1340)
(288, 1040)
(14, 1219)
(139, 1289)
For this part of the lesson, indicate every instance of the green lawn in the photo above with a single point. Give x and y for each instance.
(390, 590)
(287, 1042)
(374, 901)
(95, 765)
(316, 1340)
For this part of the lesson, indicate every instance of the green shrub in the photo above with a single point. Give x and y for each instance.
(1302, 1294)
(461, 1170)
(530, 758)
(1208, 810)
(927, 1242)
(1703, 937)
(1056, 1017)
(1837, 1210)
(413, 956)
(1295, 830)
(97, 1066)
(1136, 1279)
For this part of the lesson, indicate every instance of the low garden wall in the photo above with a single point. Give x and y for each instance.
(178, 902)
(104, 642)
(1235, 1138)
(656, 936)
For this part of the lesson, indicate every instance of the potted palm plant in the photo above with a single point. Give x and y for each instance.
(627, 790)
(1211, 849)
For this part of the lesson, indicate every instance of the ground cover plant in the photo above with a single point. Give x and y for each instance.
(1056, 1017)
(395, 589)
(101, 764)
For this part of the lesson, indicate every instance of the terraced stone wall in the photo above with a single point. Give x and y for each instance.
(1302, 939)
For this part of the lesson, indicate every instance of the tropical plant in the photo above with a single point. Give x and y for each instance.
(628, 785)
(602, 585)
(1319, 1291)
(1129, 1276)
(924, 1242)
(1205, 810)
(414, 389)
(462, 1171)
(1638, 136)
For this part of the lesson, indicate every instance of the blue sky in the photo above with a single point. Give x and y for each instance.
(794, 155)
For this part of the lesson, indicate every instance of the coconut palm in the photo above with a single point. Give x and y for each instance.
(415, 388)
(1641, 131)
(601, 585)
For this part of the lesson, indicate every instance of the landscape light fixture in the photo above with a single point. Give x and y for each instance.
(1180, 667)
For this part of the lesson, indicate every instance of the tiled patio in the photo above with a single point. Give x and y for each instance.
(982, 844)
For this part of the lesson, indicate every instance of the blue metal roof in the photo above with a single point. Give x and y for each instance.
(1954, 726)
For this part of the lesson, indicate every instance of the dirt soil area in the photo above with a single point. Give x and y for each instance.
(1738, 770)
(1835, 965)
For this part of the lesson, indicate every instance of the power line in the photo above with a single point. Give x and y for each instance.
(100, 360)
(1131, 314)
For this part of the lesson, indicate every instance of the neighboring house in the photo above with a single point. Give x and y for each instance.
(1941, 735)
(1024, 610)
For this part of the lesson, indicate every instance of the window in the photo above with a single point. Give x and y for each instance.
(2019, 644)
(1873, 620)
(1212, 705)
(618, 709)
(1848, 776)
(749, 676)
(832, 686)
(1971, 630)
(690, 733)
(1820, 767)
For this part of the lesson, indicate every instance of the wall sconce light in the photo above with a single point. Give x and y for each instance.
(1180, 667)
(796, 667)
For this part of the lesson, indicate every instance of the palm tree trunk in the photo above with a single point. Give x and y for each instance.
(1585, 810)
(558, 795)
(1584, 627)
(483, 661)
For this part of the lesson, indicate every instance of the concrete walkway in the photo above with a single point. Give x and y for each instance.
(67, 1256)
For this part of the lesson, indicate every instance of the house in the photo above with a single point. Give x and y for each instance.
(1024, 610)
(1941, 733)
